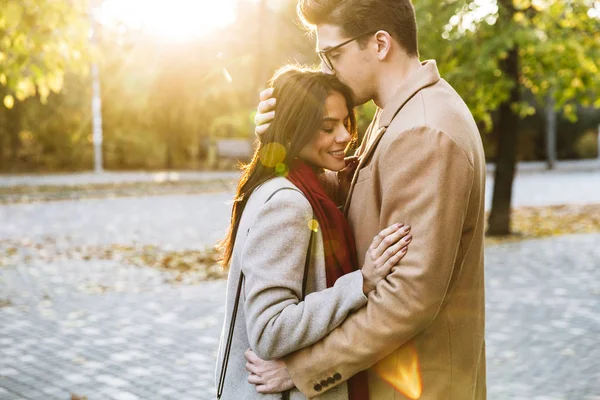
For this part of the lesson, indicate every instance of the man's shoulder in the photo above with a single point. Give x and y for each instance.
(438, 109)
(278, 190)
(437, 105)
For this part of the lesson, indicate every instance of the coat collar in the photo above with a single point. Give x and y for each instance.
(425, 76)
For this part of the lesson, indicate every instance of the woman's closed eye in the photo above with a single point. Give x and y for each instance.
(328, 129)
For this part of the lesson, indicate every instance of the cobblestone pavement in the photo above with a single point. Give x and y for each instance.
(551, 188)
(543, 319)
(172, 221)
(111, 331)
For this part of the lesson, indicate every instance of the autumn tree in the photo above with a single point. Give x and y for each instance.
(493, 52)
(38, 40)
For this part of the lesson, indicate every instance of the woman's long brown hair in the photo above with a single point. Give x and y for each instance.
(301, 94)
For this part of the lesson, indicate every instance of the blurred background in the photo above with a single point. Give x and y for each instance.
(122, 123)
(175, 77)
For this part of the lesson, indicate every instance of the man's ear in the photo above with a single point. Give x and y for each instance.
(383, 40)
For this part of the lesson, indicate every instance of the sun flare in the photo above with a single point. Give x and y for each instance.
(171, 19)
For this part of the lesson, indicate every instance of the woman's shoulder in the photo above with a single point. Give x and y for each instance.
(280, 191)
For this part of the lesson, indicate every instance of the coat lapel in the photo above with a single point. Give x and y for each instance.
(425, 76)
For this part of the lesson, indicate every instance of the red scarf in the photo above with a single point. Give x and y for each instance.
(338, 241)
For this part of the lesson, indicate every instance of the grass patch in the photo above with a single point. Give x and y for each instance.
(538, 222)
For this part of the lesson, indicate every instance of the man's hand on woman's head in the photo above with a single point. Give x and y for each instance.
(265, 113)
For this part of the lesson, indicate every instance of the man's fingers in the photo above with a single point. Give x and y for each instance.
(255, 380)
(260, 130)
(267, 105)
(264, 118)
(252, 368)
(251, 357)
(265, 389)
(266, 94)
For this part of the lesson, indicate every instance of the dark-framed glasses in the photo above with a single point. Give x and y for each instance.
(323, 54)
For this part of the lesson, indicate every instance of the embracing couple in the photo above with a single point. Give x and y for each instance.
(359, 277)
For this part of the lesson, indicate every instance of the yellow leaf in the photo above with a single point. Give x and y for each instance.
(9, 101)
(13, 13)
(521, 4)
(55, 82)
(519, 17)
(576, 83)
(539, 5)
(43, 91)
(2, 79)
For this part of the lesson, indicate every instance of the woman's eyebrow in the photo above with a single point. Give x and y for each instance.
(332, 119)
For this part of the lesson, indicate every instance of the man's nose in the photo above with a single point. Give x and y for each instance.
(325, 69)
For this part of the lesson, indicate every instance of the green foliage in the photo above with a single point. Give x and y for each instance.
(39, 38)
(558, 45)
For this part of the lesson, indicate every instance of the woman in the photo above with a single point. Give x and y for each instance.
(294, 274)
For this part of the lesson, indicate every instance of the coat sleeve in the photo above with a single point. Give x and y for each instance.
(429, 190)
(273, 261)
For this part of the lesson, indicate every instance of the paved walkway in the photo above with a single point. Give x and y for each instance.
(139, 338)
(100, 328)
(170, 221)
(552, 188)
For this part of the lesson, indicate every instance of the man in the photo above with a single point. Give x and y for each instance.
(421, 334)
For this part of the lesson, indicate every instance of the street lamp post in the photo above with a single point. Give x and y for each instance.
(97, 119)
(96, 98)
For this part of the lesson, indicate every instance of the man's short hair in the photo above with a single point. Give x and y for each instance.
(356, 17)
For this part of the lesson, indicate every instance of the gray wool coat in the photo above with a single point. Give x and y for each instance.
(270, 249)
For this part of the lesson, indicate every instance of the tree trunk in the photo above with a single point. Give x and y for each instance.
(2, 132)
(13, 125)
(506, 157)
(550, 133)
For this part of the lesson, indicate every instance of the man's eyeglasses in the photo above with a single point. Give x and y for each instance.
(323, 54)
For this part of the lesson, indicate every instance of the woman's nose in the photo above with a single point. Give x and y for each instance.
(344, 136)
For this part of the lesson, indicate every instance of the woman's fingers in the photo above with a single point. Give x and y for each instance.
(378, 239)
(390, 240)
(394, 260)
(391, 251)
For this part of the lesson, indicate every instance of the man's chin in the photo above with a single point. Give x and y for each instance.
(360, 100)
